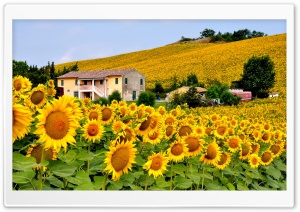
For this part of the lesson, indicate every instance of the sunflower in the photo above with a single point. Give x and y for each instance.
(177, 151)
(122, 103)
(51, 92)
(107, 114)
(214, 117)
(154, 136)
(114, 103)
(36, 151)
(230, 131)
(169, 131)
(184, 129)
(21, 119)
(56, 125)
(221, 131)
(243, 124)
(94, 114)
(266, 158)
(127, 134)
(245, 150)
(93, 130)
(224, 161)
(119, 159)
(254, 160)
(156, 164)
(37, 97)
(86, 101)
(194, 144)
(233, 123)
(123, 110)
(132, 108)
(199, 130)
(212, 154)
(144, 127)
(204, 119)
(256, 134)
(162, 110)
(266, 136)
(241, 135)
(276, 149)
(267, 127)
(170, 120)
(255, 148)
(233, 143)
(208, 131)
(18, 85)
(176, 112)
(117, 126)
(149, 109)
(278, 134)
(27, 84)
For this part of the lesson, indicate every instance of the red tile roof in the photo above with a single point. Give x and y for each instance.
(95, 74)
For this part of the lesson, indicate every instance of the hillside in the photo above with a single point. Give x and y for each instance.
(223, 62)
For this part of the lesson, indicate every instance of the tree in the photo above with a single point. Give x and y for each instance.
(115, 95)
(258, 76)
(228, 98)
(20, 68)
(158, 89)
(212, 92)
(147, 98)
(207, 33)
(192, 80)
(192, 97)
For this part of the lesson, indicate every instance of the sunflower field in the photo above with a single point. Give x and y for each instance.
(73, 144)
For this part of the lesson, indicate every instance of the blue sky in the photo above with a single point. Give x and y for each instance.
(40, 41)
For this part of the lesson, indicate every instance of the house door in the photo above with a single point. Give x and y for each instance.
(133, 95)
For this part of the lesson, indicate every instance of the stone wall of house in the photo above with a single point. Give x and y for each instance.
(133, 85)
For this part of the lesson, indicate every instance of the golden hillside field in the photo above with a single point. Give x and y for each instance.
(223, 62)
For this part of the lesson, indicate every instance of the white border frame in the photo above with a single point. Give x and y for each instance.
(147, 198)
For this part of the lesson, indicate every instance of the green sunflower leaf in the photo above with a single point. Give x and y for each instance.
(23, 163)
(85, 186)
(274, 172)
(127, 179)
(279, 165)
(55, 181)
(23, 177)
(139, 160)
(85, 156)
(115, 185)
(68, 157)
(61, 169)
(212, 186)
(230, 186)
(178, 169)
(136, 188)
(272, 182)
(182, 182)
(98, 182)
(161, 182)
(242, 186)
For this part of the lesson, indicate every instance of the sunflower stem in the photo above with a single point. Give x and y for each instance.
(104, 182)
(88, 162)
(202, 180)
(40, 186)
(171, 183)
(146, 183)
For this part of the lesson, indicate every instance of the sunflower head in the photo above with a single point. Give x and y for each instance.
(223, 162)
(107, 114)
(255, 148)
(38, 97)
(276, 149)
(233, 143)
(94, 114)
(265, 137)
(119, 159)
(93, 130)
(177, 151)
(194, 144)
(154, 136)
(156, 164)
(245, 150)
(184, 129)
(161, 110)
(266, 158)
(211, 154)
(127, 134)
(254, 160)
(18, 85)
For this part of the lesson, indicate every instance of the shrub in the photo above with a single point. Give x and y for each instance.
(101, 101)
(115, 95)
(228, 98)
(146, 98)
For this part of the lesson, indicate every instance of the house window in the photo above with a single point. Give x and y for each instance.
(76, 82)
(85, 82)
(76, 93)
(62, 82)
(101, 82)
(116, 81)
(141, 81)
(126, 81)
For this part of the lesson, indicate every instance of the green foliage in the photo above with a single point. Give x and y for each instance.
(212, 92)
(159, 90)
(192, 97)
(146, 98)
(228, 98)
(192, 80)
(101, 101)
(207, 33)
(115, 95)
(258, 76)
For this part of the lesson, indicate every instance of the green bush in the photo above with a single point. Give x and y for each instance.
(101, 101)
(228, 98)
(115, 95)
(146, 98)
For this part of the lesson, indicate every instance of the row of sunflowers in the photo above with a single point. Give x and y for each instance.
(74, 144)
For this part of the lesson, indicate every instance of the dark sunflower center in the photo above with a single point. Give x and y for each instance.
(267, 127)
(245, 150)
(177, 149)
(169, 130)
(242, 136)
(233, 143)
(49, 154)
(169, 121)
(37, 97)
(153, 136)
(275, 149)
(211, 152)
(265, 136)
(93, 129)
(106, 114)
(199, 130)
(254, 161)
(192, 144)
(208, 131)
(221, 130)
(266, 157)
(154, 124)
(57, 125)
(37, 153)
(254, 147)
(184, 131)
(18, 85)
(93, 115)
(223, 159)
(156, 163)
(120, 159)
(145, 124)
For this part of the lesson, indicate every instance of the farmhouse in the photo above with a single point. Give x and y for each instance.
(96, 84)
(245, 95)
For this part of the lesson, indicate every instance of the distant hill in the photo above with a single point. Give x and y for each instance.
(221, 61)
